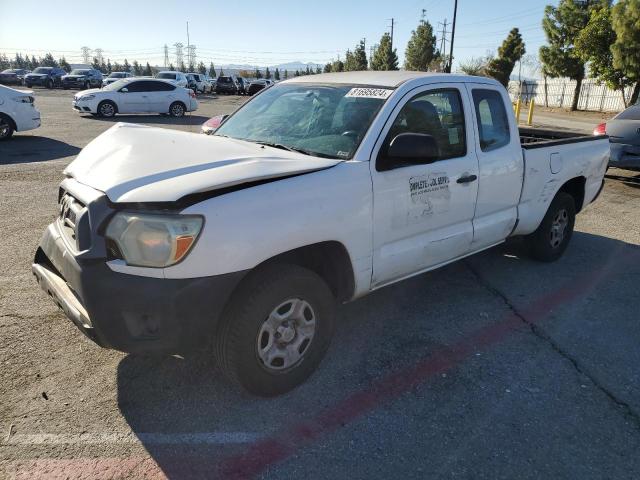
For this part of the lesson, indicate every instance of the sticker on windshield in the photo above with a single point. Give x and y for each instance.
(361, 92)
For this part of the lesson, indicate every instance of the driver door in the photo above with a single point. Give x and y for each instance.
(423, 209)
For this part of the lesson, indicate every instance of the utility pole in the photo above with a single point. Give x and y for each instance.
(424, 14)
(453, 34)
(392, 24)
(86, 53)
(179, 58)
(443, 44)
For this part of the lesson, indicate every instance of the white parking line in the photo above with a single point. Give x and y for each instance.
(210, 438)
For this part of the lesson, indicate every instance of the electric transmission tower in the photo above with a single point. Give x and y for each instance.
(191, 56)
(98, 54)
(179, 56)
(86, 54)
(166, 56)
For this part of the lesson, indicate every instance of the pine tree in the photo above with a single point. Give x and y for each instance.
(109, 68)
(318, 69)
(33, 64)
(125, 66)
(421, 49)
(297, 74)
(64, 65)
(221, 72)
(594, 46)
(258, 73)
(286, 74)
(4, 62)
(117, 67)
(212, 70)
(509, 53)
(202, 69)
(49, 61)
(562, 25)
(384, 57)
(307, 71)
(137, 69)
(625, 18)
(327, 68)
(360, 56)
(349, 61)
(172, 68)
(147, 71)
(267, 73)
(337, 66)
(276, 74)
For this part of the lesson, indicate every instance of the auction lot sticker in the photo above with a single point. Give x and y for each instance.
(362, 92)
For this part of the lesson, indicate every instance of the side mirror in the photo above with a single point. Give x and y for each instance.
(124, 89)
(413, 148)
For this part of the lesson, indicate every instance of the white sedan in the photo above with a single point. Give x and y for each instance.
(136, 95)
(17, 112)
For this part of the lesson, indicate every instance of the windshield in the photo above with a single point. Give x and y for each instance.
(321, 120)
(118, 75)
(168, 76)
(79, 72)
(42, 70)
(116, 85)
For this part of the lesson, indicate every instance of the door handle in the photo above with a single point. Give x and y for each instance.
(467, 179)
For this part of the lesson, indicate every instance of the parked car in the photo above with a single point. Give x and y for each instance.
(258, 85)
(177, 78)
(191, 82)
(227, 84)
(82, 78)
(320, 190)
(624, 134)
(13, 76)
(243, 85)
(200, 83)
(211, 83)
(133, 95)
(211, 125)
(45, 77)
(18, 112)
(114, 77)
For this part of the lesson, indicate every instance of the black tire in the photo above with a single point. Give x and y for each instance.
(177, 109)
(87, 86)
(107, 109)
(6, 128)
(49, 84)
(239, 337)
(28, 85)
(550, 240)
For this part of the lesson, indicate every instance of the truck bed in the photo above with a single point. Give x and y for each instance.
(536, 137)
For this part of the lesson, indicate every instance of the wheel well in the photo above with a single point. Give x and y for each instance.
(115, 105)
(329, 260)
(575, 188)
(11, 121)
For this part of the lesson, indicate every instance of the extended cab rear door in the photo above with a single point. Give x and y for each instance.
(500, 163)
(423, 212)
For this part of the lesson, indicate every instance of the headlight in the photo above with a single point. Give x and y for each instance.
(153, 240)
(23, 99)
(86, 97)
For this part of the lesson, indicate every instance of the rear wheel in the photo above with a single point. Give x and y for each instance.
(6, 128)
(49, 84)
(276, 329)
(87, 86)
(177, 109)
(551, 238)
(107, 109)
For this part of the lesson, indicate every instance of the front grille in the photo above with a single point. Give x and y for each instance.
(69, 215)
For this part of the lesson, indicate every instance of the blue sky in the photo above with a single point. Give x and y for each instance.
(255, 32)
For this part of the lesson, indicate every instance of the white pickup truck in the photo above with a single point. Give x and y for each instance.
(317, 191)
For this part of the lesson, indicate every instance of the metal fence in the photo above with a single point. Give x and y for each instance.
(559, 93)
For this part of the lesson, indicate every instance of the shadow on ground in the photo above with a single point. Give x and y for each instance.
(398, 327)
(32, 148)
(153, 119)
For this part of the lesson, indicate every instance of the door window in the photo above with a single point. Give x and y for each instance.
(493, 123)
(438, 113)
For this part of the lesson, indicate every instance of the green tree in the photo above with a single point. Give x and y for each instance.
(421, 48)
(212, 70)
(117, 67)
(258, 73)
(318, 69)
(509, 53)
(201, 68)
(337, 66)
(276, 74)
(125, 66)
(384, 57)
(221, 72)
(33, 63)
(172, 68)
(625, 18)
(562, 25)
(48, 61)
(137, 69)
(475, 66)
(327, 68)
(147, 71)
(109, 67)
(96, 64)
(4, 62)
(349, 62)
(267, 73)
(297, 73)
(64, 65)
(286, 74)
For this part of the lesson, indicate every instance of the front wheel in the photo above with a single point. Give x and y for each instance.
(49, 84)
(551, 238)
(6, 128)
(107, 109)
(177, 109)
(276, 329)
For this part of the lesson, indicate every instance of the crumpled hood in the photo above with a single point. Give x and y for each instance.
(134, 163)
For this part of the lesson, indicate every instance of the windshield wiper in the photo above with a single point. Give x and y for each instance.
(291, 149)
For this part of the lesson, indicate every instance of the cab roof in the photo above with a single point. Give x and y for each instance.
(384, 78)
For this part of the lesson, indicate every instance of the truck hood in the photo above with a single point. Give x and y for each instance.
(134, 163)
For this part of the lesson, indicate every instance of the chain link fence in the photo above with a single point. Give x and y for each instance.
(559, 93)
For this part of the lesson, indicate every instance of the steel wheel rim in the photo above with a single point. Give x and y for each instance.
(107, 110)
(286, 335)
(177, 110)
(558, 227)
(4, 128)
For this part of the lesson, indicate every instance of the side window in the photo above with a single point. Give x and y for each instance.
(493, 123)
(161, 87)
(135, 87)
(437, 113)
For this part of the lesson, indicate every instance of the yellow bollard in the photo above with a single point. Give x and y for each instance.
(517, 112)
(532, 104)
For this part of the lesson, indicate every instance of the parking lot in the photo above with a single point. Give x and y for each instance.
(492, 367)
